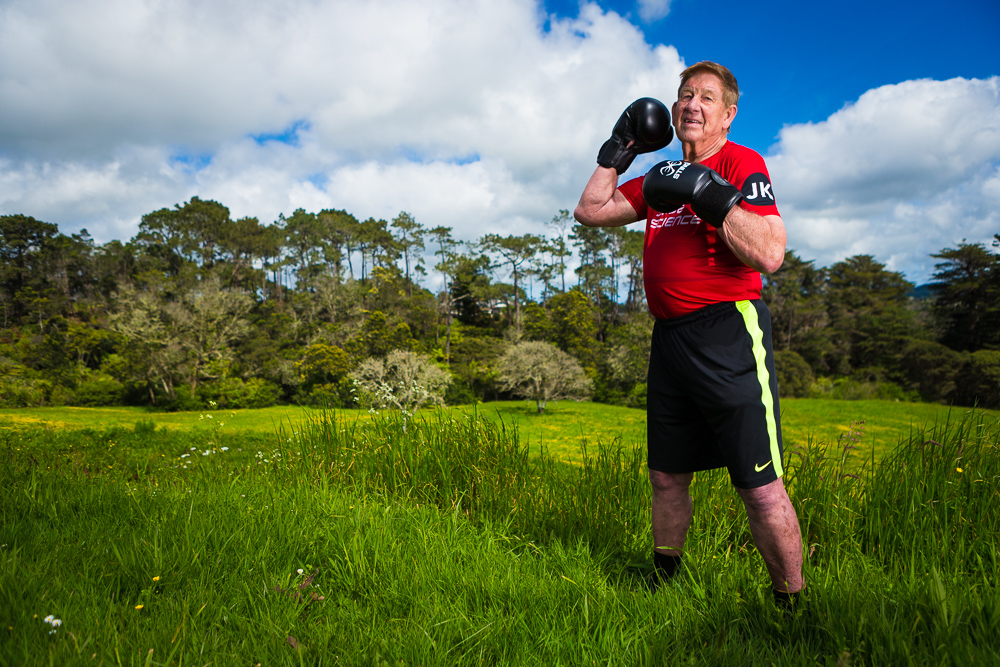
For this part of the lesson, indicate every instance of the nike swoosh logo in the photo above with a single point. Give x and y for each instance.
(759, 468)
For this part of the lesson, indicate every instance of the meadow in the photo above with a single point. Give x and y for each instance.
(482, 536)
(561, 431)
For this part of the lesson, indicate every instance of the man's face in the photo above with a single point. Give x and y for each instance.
(699, 114)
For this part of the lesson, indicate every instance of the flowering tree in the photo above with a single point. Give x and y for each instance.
(403, 380)
(542, 372)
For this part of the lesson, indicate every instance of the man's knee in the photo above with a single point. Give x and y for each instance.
(764, 498)
(669, 483)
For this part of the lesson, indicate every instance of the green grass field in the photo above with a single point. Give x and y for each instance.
(560, 431)
(303, 537)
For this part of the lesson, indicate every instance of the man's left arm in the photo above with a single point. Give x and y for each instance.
(757, 240)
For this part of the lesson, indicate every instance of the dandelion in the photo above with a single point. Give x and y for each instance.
(138, 606)
(156, 578)
(958, 470)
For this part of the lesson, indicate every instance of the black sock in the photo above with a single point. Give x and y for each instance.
(786, 600)
(665, 565)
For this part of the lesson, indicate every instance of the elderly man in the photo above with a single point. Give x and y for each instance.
(712, 228)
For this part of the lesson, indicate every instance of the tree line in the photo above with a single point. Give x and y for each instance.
(200, 309)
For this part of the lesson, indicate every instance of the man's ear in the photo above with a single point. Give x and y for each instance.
(730, 117)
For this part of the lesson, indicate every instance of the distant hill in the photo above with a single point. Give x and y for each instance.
(921, 292)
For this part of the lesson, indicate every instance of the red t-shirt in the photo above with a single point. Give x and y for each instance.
(685, 264)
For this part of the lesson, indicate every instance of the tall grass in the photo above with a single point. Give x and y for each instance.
(442, 542)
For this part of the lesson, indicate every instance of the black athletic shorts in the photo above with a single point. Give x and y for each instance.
(712, 397)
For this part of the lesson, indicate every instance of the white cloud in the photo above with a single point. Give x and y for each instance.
(106, 197)
(482, 115)
(653, 10)
(902, 173)
(478, 115)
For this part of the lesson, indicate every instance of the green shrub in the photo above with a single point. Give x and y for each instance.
(182, 402)
(459, 393)
(18, 391)
(235, 393)
(859, 389)
(930, 368)
(637, 397)
(57, 394)
(98, 390)
(978, 382)
(339, 394)
(795, 377)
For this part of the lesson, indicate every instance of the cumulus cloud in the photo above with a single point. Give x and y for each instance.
(653, 10)
(905, 171)
(106, 197)
(482, 115)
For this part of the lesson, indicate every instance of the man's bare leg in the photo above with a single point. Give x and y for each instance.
(671, 510)
(776, 534)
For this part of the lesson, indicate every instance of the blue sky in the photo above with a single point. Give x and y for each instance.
(880, 123)
(799, 62)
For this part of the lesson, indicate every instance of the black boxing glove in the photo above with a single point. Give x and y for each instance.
(644, 127)
(673, 183)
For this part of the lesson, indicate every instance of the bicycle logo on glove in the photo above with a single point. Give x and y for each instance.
(674, 168)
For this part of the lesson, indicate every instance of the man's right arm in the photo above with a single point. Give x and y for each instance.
(601, 204)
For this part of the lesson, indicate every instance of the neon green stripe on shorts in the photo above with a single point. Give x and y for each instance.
(759, 353)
